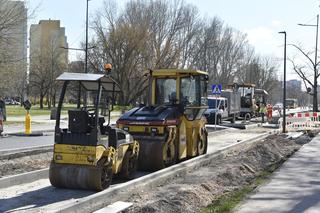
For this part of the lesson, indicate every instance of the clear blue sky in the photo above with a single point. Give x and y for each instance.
(260, 19)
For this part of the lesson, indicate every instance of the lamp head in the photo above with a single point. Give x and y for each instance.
(107, 68)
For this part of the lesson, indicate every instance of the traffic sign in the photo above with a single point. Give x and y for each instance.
(216, 89)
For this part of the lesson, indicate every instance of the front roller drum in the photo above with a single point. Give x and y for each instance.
(156, 155)
(73, 176)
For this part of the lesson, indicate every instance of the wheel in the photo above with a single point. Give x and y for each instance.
(129, 165)
(247, 117)
(233, 119)
(203, 144)
(219, 120)
(106, 177)
(169, 154)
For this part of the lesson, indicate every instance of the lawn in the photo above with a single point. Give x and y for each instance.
(15, 110)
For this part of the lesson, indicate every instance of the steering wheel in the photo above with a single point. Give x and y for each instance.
(91, 111)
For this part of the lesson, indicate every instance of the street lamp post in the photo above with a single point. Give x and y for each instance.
(86, 50)
(315, 80)
(284, 82)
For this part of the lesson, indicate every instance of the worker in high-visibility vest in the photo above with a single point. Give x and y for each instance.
(269, 112)
(262, 111)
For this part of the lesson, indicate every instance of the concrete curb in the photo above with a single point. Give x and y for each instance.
(24, 178)
(123, 191)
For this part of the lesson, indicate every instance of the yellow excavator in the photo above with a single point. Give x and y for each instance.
(171, 127)
(89, 152)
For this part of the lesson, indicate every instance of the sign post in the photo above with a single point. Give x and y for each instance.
(216, 90)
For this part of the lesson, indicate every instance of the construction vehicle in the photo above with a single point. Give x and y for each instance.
(251, 99)
(172, 126)
(89, 152)
(224, 107)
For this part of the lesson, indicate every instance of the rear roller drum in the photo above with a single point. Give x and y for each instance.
(95, 178)
(156, 155)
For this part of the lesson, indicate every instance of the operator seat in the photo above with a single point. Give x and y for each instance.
(78, 121)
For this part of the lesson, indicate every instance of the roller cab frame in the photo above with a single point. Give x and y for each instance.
(89, 152)
(171, 127)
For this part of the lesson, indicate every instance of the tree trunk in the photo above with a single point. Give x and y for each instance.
(315, 95)
(41, 101)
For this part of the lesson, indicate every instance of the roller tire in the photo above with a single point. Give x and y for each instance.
(202, 145)
(129, 166)
(219, 120)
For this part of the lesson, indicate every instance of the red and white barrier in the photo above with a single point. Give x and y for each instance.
(302, 121)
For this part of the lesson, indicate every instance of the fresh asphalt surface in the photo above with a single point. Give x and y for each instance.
(19, 142)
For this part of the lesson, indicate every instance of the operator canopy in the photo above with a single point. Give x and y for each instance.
(91, 81)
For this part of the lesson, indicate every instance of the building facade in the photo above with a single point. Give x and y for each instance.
(48, 41)
(13, 47)
(48, 58)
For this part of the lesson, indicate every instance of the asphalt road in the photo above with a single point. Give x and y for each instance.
(17, 142)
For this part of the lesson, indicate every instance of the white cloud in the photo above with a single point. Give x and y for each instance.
(276, 23)
(259, 35)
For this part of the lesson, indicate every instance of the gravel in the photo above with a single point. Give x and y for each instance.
(28, 163)
(198, 189)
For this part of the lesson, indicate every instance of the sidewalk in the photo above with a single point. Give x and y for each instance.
(294, 188)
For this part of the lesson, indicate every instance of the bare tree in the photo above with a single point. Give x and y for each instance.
(47, 65)
(260, 71)
(147, 34)
(308, 72)
(168, 34)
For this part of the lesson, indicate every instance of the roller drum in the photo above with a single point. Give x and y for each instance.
(151, 155)
(80, 176)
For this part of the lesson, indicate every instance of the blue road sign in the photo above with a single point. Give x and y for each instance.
(216, 89)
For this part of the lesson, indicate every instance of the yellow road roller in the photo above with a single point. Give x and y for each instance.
(88, 152)
(171, 127)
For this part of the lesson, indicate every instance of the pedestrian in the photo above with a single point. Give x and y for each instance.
(262, 111)
(3, 109)
(2, 114)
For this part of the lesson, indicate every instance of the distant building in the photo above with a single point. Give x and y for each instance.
(48, 42)
(13, 46)
(76, 66)
(48, 59)
(294, 84)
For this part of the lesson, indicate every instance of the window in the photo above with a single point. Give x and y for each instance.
(165, 91)
(212, 103)
(193, 96)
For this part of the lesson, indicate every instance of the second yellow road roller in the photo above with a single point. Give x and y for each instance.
(171, 127)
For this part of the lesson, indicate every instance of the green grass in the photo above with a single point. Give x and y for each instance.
(19, 122)
(229, 201)
(20, 111)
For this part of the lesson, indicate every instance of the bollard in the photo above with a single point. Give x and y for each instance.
(28, 123)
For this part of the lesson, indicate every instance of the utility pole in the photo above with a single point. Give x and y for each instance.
(284, 82)
(86, 53)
